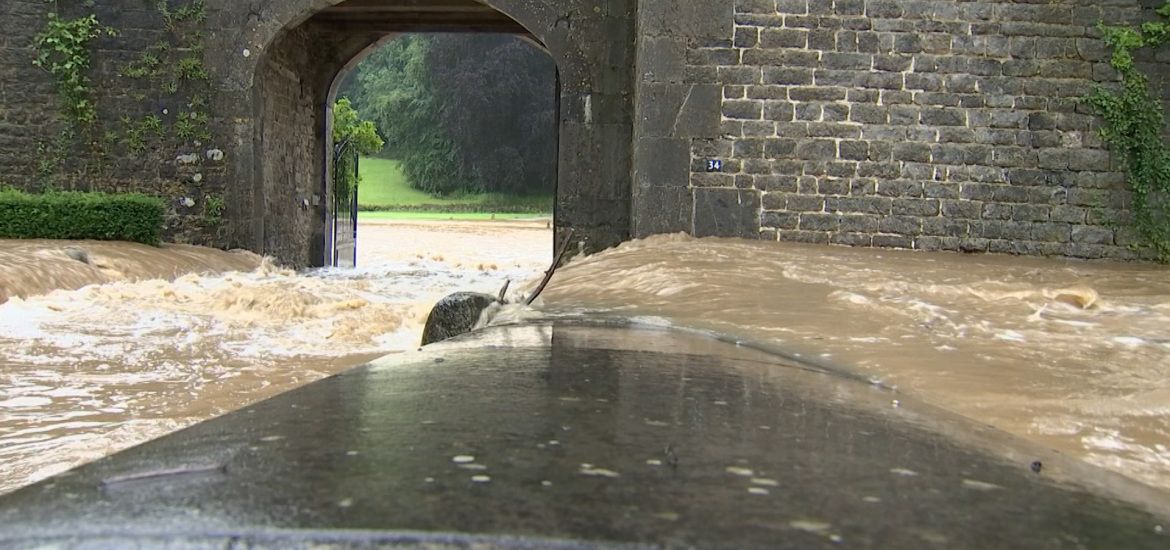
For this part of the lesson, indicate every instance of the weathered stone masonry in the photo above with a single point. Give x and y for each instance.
(923, 124)
(272, 65)
(917, 124)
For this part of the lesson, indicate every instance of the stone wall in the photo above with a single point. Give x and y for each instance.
(898, 123)
(291, 158)
(26, 97)
(923, 124)
(40, 149)
(262, 150)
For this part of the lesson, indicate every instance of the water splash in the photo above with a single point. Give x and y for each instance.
(102, 363)
(1010, 341)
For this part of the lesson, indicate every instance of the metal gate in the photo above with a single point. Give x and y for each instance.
(345, 210)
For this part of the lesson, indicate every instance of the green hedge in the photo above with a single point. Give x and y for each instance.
(75, 215)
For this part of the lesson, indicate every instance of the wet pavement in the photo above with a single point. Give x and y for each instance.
(561, 433)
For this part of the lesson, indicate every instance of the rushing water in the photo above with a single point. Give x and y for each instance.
(1074, 355)
(87, 372)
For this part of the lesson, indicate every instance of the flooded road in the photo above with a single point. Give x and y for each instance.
(1073, 355)
(85, 373)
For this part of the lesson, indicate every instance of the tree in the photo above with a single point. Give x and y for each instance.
(463, 113)
(352, 137)
(498, 108)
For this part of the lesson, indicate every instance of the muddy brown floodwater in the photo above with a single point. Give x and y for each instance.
(1073, 355)
(134, 352)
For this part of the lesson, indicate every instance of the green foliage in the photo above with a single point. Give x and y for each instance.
(192, 125)
(174, 67)
(353, 137)
(499, 109)
(464, 114)
(1134, 125)
(73, 215)
(349, 127)
(192, 12)
(191, 68)
(384, 188)
(213, 207)
(136, 134)
(149, 64)
(63, 50)
(394, 90)
(51, 155)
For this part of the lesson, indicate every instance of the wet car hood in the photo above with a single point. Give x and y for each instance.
(569, 434)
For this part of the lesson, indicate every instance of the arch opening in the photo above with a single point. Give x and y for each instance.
(294, 215)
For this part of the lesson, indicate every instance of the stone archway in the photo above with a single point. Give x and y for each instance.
(294, 64)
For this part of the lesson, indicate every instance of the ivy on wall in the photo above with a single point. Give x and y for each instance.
(63, 50)
(168, 78)
(1134, 128)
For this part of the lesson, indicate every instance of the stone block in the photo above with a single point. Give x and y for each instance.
(851, 239)
(687, 19)
(784, 38)
(858, 205)
(893, 241)
(788, 76)
(805, 93)
(943, 227)
(819, 222)
(661, 210)
(1091, 234)
(1031, 212)
(915, 207)
(776, 183)
(743, 109)
(808, 237)
(1009, 230)
(900, 225)
(1050, 232)
(933, 243)
(853, 150)
(662, 59)
(912, 152)
(831, 186)
(727, 213)
(816, 149)
(780, 220)
(780, 148)
(662, 162)
(855, 223)
(746, 37)
(959, 209)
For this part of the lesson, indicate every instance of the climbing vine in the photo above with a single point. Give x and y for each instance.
(1134, 127)
(172, 66)
(160, 101)
(63, 49)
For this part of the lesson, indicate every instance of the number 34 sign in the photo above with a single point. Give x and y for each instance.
(714, 166)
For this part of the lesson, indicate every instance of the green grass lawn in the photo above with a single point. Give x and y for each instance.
(471, 216)
(384, 188)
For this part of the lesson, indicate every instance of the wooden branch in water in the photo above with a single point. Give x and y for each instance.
(504, 291)
(552, 269)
